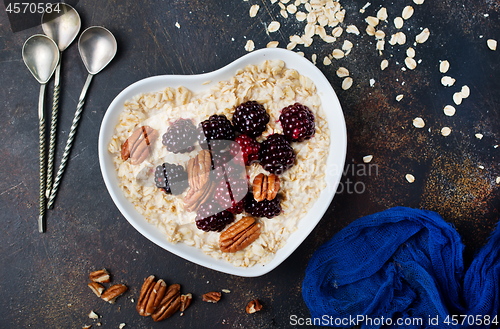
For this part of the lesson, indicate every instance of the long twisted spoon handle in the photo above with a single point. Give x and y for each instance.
(53, 129)
(69, 142)
(41, 119)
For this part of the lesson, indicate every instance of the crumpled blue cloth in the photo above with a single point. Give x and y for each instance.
(405, 265)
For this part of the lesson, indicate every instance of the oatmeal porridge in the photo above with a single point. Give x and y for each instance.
(271, 85)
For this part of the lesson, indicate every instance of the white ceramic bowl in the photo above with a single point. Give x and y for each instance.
(335, 161)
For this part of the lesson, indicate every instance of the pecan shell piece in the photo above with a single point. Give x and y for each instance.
(265, 187)
(185, 302)
(146, 289)
(239, 235)
(170, 303)
(97, 288)
(138, 145)
(253, 306)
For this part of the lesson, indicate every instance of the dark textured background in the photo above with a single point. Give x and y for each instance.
(43, 277)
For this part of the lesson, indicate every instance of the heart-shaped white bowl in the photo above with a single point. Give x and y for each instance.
(335, 160)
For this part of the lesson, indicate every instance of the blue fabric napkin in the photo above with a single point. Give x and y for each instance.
(403, 268)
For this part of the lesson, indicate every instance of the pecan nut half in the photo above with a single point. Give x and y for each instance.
(138, 145)
(113, 292)
(265, 187)
(156, 296)
(253, 306)
(101, 276)
(239, 235)
(146, 289)
(198, 169)
(185, 302)
(212, 297)
(169, 304)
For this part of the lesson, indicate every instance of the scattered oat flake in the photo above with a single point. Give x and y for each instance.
(445, 131)
(498, 180)
(362, 10)
(342, 72)
(423, 36)
(418, 122)
(398, 22)
(372, 82)
(492, 44)
(481, 167)
(479, 136)
(465, 92)
(347, 83)
(399, 97)
(418, 2)
(372, 21)
(326, 61)
(284, 13)
(382, 14)
(347, 45)
(410, 63)
(291, 45)
(444, 66)
(410, 52)
(407, 12)
(379, 34)
(367, 158)
(301, 16)
(457, 98)
(292, 9)
(272, 44)
(87, 327)
(337, 53)
(449, 110)
(226, 291)
(122, 325)
(313, 58)
(447, 81)
(249, 46)
(93, 315)
(337, 32)
(384, 64)
(253, 10)
(380, 45)
(301, 53)
(273, 26)
(352, 29)
(177, 25)
(410, 178)
(370, 30)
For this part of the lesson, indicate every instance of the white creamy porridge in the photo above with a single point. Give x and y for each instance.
(270, 84)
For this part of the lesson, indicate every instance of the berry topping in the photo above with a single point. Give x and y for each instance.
(250, 118)
(216, 131)
(297, 121)
(171, 178)
(180, 136)
(276, 155)
(208, 219)
(263, 208)
(248, 147)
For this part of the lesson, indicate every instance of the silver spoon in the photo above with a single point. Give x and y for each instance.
(41, 55)
(97, 48)
(62, 27)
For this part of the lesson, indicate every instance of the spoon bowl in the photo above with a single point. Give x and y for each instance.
(41, 55)
(62, 26)
(97, 48)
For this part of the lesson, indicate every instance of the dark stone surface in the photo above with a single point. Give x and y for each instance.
(43, 277)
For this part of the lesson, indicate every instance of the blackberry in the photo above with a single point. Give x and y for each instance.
(180, 136)
(230, 194)
(263, 208)
(276, 155)
(208, 219)
(250, 118)
(248, 147)
(215, 133)
(171, 178)
(297, 121)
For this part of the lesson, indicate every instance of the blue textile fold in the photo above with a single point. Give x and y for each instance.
(403, 268)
